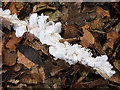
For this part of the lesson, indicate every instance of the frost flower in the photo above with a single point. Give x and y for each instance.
(48, 33)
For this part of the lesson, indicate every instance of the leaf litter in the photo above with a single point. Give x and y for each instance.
(91, 25)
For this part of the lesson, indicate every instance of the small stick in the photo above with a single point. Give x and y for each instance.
(96, 31)
(111, 23)
(70, 39)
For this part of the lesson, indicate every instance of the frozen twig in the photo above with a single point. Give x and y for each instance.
(48, 33)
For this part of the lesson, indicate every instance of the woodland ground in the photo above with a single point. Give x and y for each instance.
(97, 25)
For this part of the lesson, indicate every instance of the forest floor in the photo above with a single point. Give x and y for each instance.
(96, 24)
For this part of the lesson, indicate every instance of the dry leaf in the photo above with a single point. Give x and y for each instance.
(75, 16)
(115, 78)
(111, 37)
(25, 61)
(102, 12)
(38, 46)
(10, 74)
(70, 31)
(117, 27)
(30, 53)
(1, 46)
(14, 81)
(117, 64)
(54, 69)
(64, 17)
(17, 67)
(84, 74)
(40, 72)
(6, 23)
(8, 57)
(12, 8)
(87, 38)
(55, 16)
(11, 43)
(98, 83)
(30, 78)
(42, 6)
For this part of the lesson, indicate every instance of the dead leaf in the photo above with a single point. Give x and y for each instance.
(55, 16)
(53, 67)
(1, 46)
(42, 6)
(77, 17)
(84, 74)
(101, 73)
(70, 31)
(12, 8)
(6, 23)
(25, 61)
(30, 53)
(37, 45)
(11, 43)
(8, 75)
(8, 57)
(30, 78)
(64, 17)
(56, 82)
(117, 64)
(98, 46)
(87, 38)
(102, 12)
(98, 24)
(40, 72)
(115, 78)
(98, 82)
(117, 27)
(19, 6)
(111, 37)
(13, 81)
(17, 67)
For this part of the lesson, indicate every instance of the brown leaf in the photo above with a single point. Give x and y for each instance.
(70, 31)
(1, 46)
(40, 72)
(38, 46)
(30, 53)
(111, 37)
(84, 74)
(13, 81)
(42, 6)
(76, 17)
(98, 82)
(98, 46)
(12, 8)
(6, 23)
(117, 27)
(53, 67)
(8, 75)
(115, 78)
(102, 12)
(87, 38)
(56, 82)
(15, 7)
(17, 67)
(117, 64)
(11, 43)
(25, 61)
(8, 57)
(64, 17)
(19, 6)
(55, 16)
(30, 78)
